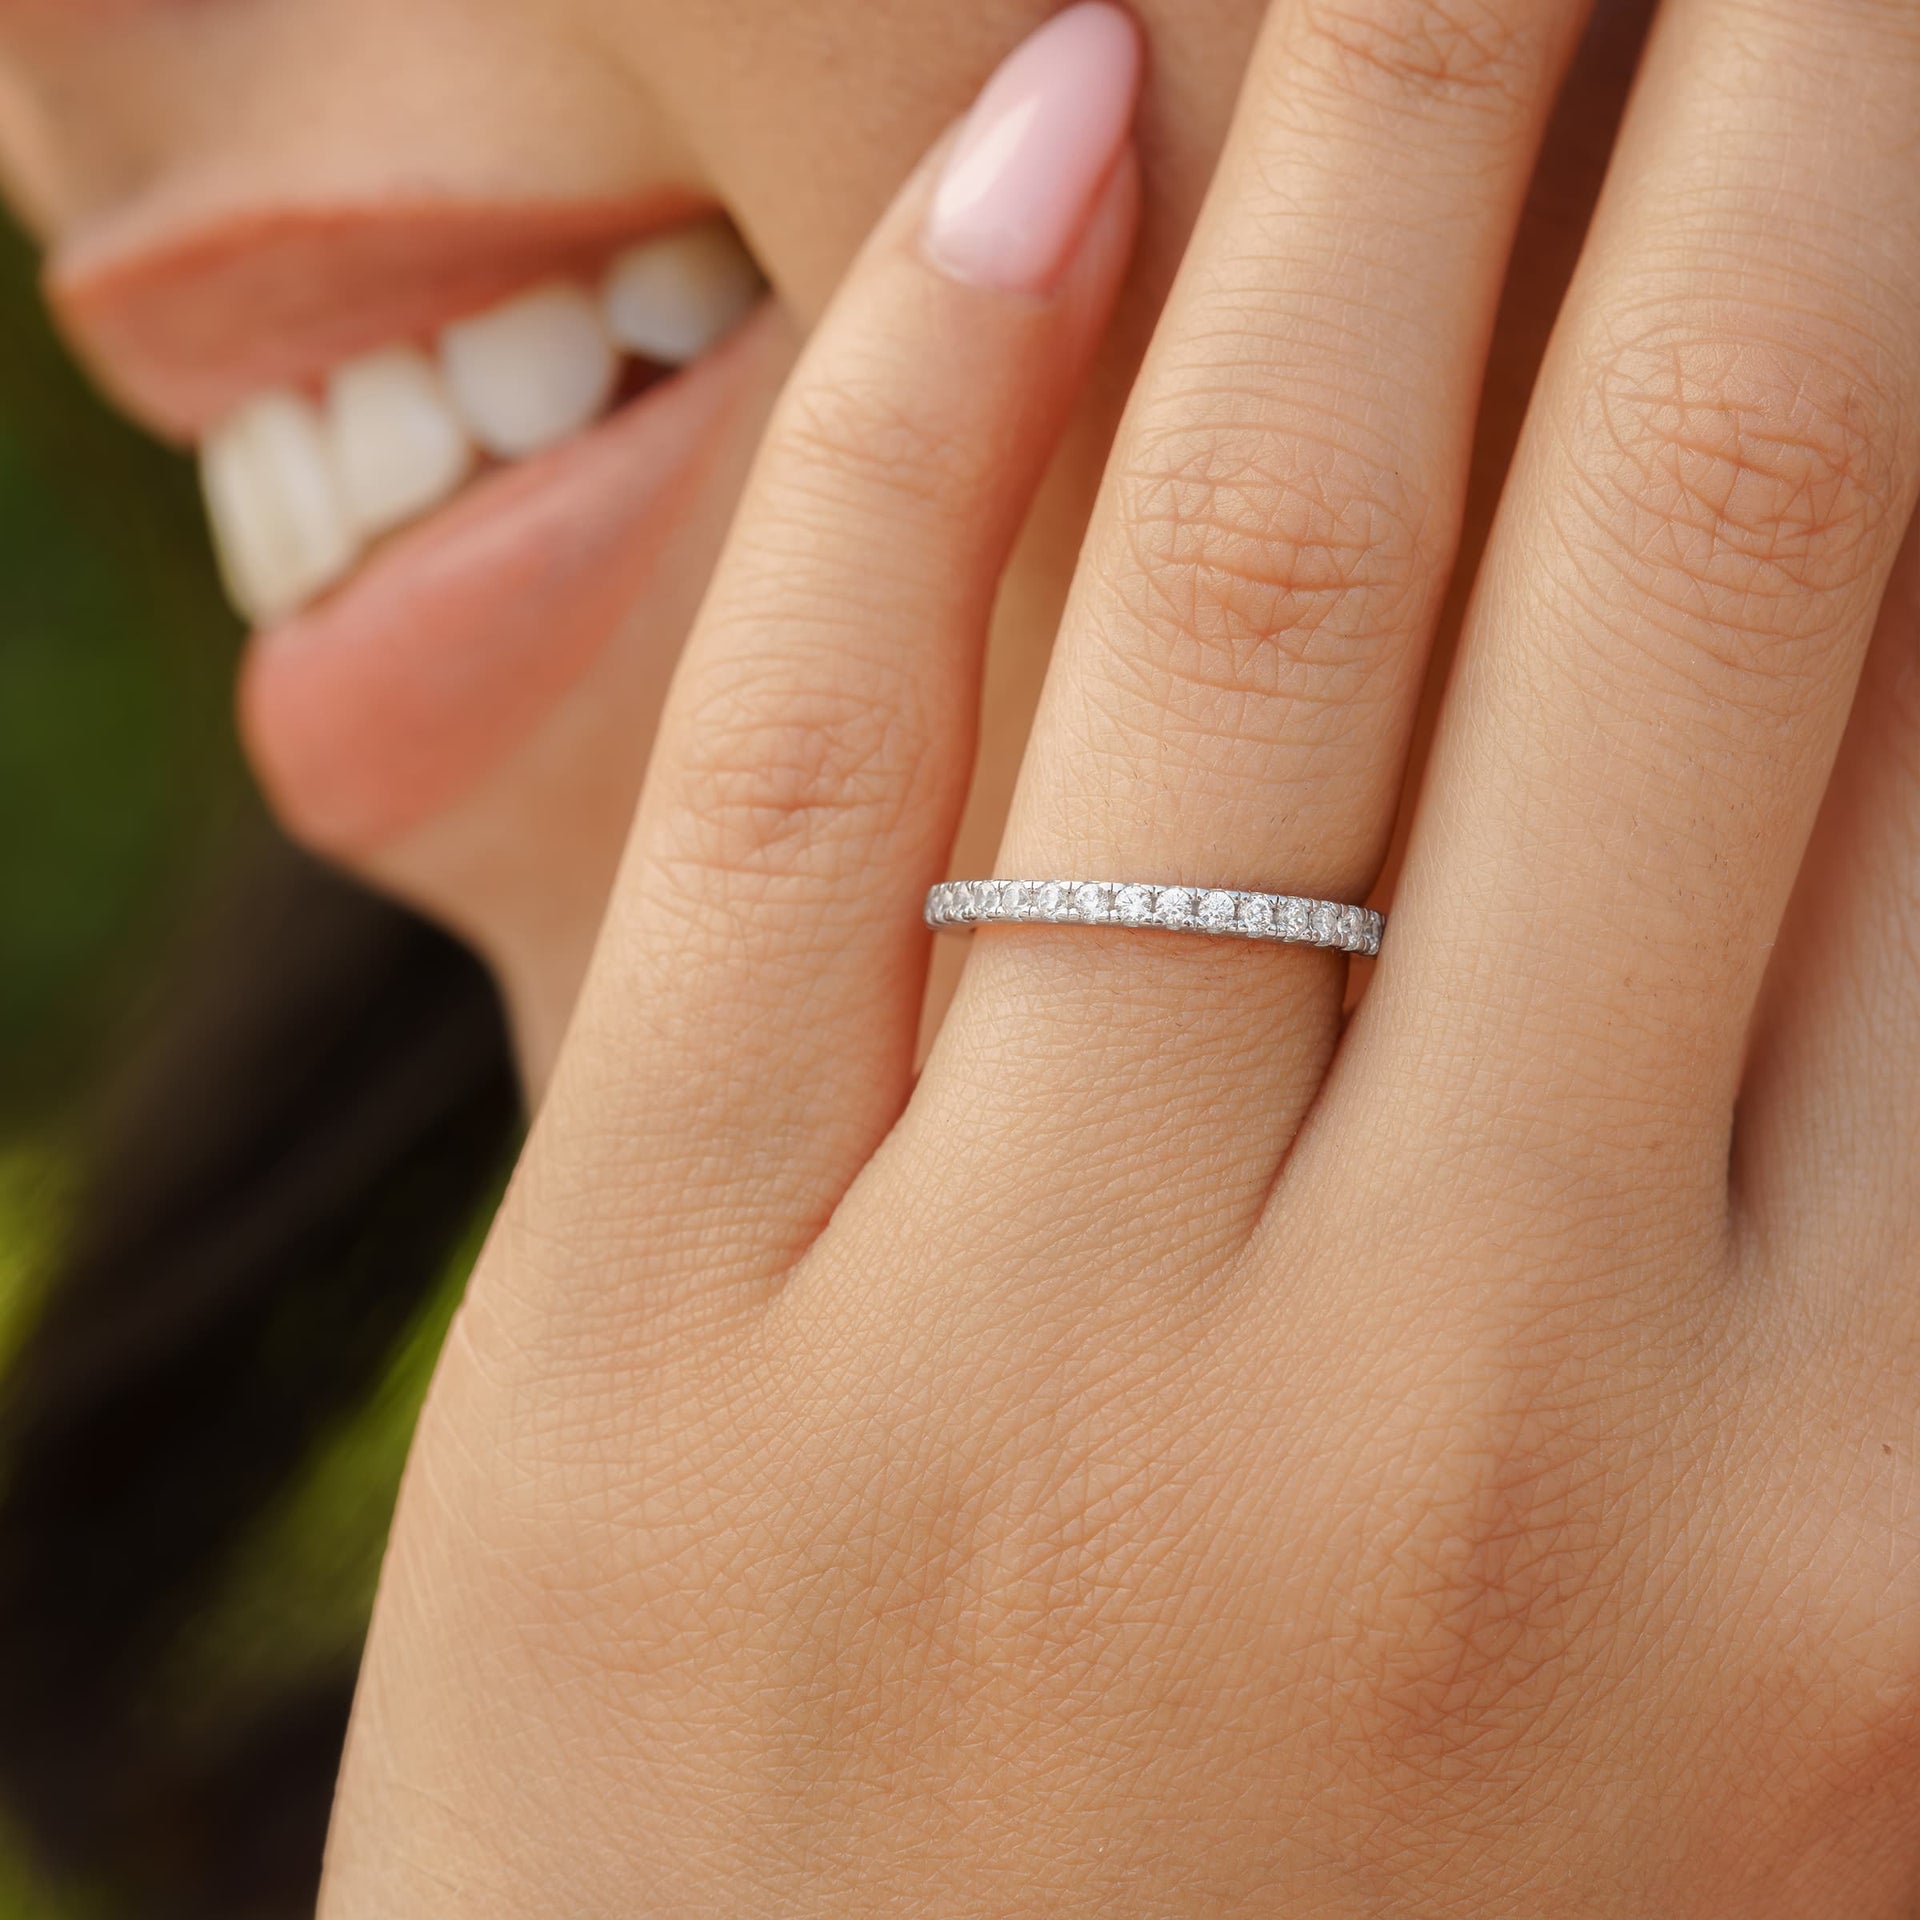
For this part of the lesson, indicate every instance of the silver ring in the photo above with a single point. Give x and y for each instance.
(1283, 917)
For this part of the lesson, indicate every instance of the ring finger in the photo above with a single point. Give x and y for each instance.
(1237, 675)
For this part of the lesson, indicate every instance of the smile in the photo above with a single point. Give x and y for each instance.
(299, 487)
(450, 455)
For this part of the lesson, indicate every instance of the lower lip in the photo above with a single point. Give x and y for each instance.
(380, 707)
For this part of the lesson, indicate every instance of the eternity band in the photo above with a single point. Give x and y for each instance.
(1111, 903)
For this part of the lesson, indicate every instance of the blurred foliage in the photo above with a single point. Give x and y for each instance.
(304, 1585)
(32, 1196)
(119, 778)
(121, 796)
(24, 1897)
(119, 775)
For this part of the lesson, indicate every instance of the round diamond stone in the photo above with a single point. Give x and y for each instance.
(1353, 931)
(1134, 905)
(1087, 901)
(1049, 898)
(1296, 919)
(1256, 914)
(1326, 929)
(985, 898)
(1013, 900)
(1217, 911)
(1176, 907)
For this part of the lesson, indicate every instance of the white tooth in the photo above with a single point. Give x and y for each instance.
(530, 372)
(670, 299)
(398, 446)
(278, 524)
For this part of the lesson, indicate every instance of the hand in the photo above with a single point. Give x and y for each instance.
(1188, 1455)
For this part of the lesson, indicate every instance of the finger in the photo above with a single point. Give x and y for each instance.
(746, 1035)
(1828, 1148)
(1696, 536)
(1231, 698)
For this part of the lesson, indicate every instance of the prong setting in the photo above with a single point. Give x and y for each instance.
(1281, 918)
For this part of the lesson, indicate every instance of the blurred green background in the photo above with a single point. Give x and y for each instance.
(121, 798)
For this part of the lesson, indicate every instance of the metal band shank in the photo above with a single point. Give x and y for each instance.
(1284, 917)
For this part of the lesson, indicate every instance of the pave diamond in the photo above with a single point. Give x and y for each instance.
(1212, 910)
(1217, 911)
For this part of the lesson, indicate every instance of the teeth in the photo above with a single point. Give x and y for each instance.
(296, 491)
(398, 445)
(279, 527)
(670, 299)
(531, 372)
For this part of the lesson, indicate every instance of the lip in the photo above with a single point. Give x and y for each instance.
(379, 706)
(182, 327)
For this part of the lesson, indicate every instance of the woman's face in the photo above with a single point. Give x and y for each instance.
(472, 557)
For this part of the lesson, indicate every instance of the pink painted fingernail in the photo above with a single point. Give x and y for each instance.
(1021, 180)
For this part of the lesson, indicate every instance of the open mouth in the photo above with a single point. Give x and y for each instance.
(302, 486)
(453, 454)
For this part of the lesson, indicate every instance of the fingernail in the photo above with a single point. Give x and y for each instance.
(1016, 191)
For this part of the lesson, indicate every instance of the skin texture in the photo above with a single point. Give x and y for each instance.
(1190, 1451)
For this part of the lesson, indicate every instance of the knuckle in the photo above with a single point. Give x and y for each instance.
(1257, 567)
(859, 438)
(790, 780)
(1835, 1644)
(1852, 1700)
(1490, 1541)
(1741, 482)
(1421, 52)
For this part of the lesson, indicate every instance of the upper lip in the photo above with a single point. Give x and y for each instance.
(183, 327)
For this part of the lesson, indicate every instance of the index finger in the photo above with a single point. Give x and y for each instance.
(746, 1036)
